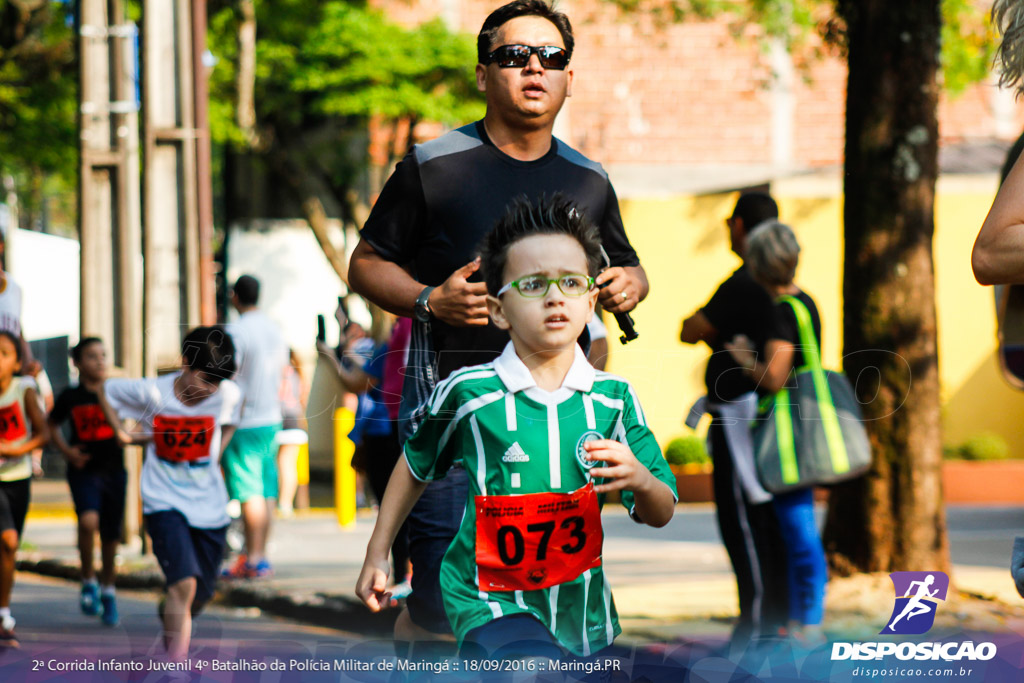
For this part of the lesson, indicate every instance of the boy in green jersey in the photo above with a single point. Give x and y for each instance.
(542, 436)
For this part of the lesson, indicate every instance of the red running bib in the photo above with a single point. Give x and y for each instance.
(182, 439)
(90, 423)
(12, 422)
(537, 540)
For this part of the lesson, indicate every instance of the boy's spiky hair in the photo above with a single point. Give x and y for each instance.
(554, 215)
(1008, 18)
(209, 350)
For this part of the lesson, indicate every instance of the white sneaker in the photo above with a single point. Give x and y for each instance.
(7, 623)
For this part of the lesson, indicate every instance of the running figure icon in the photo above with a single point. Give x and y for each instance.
(915, 605)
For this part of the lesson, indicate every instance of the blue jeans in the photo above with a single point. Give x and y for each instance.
(806, 571)
(433, 523)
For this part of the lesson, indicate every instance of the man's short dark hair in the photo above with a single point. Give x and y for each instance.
(78, 349)
(247, 289)
(521, 8)
(755, 208)
(209, 350)
(555, 215)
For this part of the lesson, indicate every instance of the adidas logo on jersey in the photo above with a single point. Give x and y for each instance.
(515, 453)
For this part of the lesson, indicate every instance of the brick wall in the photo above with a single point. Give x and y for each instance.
(695, 94)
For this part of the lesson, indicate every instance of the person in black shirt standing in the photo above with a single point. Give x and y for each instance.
(746, 520)
(96, 474)
(417, 256)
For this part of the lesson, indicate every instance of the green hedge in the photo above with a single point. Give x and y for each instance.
(684, 450)
(981, 446)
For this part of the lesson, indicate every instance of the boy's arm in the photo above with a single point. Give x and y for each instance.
(226, 432)
(40, 431)
(402, 492)
(123, 437)
(72, 454)
(653, 503)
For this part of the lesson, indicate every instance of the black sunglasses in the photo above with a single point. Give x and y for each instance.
(518, 56)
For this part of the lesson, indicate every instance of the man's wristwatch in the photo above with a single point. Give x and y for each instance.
(421, 309)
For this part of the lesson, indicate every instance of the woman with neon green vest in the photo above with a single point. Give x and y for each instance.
(772, 256)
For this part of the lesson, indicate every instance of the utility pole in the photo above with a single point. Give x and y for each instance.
(177, 200)
(110, 231)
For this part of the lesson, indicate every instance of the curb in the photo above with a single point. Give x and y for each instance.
(318, 609)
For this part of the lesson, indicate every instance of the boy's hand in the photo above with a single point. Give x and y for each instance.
(76, 457)
(5, 450)
(621, 466)
(370, 588)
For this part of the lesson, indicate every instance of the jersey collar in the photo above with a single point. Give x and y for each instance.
(514, 374)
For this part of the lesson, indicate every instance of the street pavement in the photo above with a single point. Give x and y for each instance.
(673, 586)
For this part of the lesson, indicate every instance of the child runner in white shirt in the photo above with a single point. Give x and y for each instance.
(22, 429)
(542, 436)
(192, 415)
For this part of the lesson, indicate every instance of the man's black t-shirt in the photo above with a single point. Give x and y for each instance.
(786, 327)
(90, 431)
(447, 194)
(739, 306)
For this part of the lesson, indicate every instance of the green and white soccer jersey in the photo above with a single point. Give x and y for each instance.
(514, 438)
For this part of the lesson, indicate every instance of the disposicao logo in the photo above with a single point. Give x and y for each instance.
(917, 596)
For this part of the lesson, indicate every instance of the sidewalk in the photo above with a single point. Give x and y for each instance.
(665, 589)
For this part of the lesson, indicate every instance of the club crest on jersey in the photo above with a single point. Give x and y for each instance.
(581, 455)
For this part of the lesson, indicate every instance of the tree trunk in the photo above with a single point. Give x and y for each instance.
(245, 79)
(892, 519)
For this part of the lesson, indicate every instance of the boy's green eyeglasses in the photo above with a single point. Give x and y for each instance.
(535, 286)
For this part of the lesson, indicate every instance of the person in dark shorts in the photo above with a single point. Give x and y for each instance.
(22, 430)
(95, 474)
(191, 415)
(416, 253)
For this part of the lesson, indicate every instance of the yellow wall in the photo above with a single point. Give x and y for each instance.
(683, 244)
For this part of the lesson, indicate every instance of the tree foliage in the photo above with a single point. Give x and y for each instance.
(811, 27)
(338, 62)
(38, 97)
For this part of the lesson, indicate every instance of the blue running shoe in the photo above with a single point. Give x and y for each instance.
(109, 603)
(90, 600)
(262, 570)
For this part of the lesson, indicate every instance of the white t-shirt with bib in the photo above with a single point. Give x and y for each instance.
(15, 428)
(181, 468)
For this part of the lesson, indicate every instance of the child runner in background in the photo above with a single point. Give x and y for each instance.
(191, 415)
(22, 429)
(542, 436)
(95, 472)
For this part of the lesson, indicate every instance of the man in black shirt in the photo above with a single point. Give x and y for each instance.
(417, 253)
(746, 519)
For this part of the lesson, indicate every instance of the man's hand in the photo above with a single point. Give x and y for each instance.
(461, 303)
(1017, 564)
(741, 348)
(77, 458)
(621, 466)
(620, 283)
(373, 579)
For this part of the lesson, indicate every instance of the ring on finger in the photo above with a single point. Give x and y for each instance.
(625, 296)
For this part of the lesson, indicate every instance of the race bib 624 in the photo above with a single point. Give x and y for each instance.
(182, 439)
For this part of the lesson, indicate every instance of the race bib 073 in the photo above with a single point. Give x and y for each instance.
(182, 439)
(90, 423)
(537, 540)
